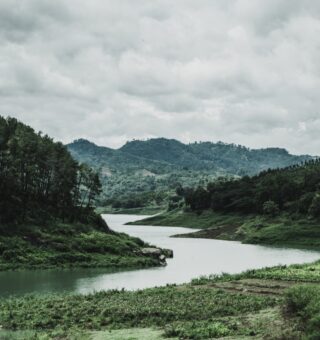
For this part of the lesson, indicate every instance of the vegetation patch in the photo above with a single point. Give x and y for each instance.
(47, 216)
(281, 230)
(147, 173)
(148, 210)
(303, 303)
(71, 245)
(267, 303)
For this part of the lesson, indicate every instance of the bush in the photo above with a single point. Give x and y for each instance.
(314, 209)
(198, 330)
(270, 208)
(303, 302)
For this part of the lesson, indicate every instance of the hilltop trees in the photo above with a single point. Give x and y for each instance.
(39, 179)
(294, 189)
(140, 170)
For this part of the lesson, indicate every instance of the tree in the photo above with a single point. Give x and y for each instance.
(314, 209)
(39, 180)
(270, 208)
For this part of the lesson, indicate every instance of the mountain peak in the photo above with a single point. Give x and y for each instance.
(82, 141)
(153, 141)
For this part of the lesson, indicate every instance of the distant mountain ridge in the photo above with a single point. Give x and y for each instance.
(161, 155)
(147, 173)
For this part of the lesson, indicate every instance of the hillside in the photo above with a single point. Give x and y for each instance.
(47, 216)
(147, 173)
(161, 155)
(228, 158)
(278, 207)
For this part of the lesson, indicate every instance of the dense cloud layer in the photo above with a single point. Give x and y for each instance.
(243, 71)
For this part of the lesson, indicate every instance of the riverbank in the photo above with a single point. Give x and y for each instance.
(61, 245)
(265, 303)
(132, 211)
(283, 230)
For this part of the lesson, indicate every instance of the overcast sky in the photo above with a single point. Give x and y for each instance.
(242, 71)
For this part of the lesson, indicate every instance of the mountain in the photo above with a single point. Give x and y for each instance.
(114, 160)
(160, 164)
(162, 155)
(229, 158)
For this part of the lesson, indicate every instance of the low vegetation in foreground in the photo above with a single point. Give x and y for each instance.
(273, 303)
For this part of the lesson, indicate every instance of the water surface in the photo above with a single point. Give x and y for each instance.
(192, 258)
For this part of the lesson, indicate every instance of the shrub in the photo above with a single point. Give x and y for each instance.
(303, 302)
(314, 209)
(270, 208)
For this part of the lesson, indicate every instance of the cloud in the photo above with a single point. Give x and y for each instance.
(243, 71)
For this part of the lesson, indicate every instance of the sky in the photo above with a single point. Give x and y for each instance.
(237, 71)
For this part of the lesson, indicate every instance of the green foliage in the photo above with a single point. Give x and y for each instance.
(46, 208)
(303, 302)
(120, 309)
(285, 229)
(39, 180)
(147, 173)
(270, 208)
(314, 209)
(296, 273)
(198, 330)
(292, 190)
(66, 245)
(208, 308)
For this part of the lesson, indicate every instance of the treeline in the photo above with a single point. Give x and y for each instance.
(39, 180)
(295, 189)
(137, 200)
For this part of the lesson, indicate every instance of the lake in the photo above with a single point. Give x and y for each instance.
(192, 258)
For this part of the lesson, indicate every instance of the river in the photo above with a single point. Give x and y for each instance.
(192, 258)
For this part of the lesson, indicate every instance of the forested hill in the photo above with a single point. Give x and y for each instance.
(162, 155)
(146, 173)
(39, 180)
(295, 189)
(47, 216)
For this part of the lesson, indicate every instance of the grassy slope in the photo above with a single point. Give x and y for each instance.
(251, 304)
(132, 211)
(178, 218)
(65, 245)
(281, 230)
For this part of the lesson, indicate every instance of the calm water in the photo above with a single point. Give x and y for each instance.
(192, 258)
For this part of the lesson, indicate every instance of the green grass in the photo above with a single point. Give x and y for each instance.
(191, 311)
(133, 211)
(179, 218)
(129, 334)
(65, 245)
(119, 334)
(303, 303)
(283, 230)
(150, 307)
(297, 273)
(266, 303)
